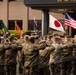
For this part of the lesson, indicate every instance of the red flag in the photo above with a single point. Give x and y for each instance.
(19, 30)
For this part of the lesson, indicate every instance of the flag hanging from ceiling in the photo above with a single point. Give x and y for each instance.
(69, 21)
(55, 24)
(19, 30)
(5, 28)
(35, 24)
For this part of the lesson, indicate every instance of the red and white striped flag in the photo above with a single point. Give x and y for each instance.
(69, 21)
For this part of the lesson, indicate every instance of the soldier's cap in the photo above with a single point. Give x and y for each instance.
(2, 37)
(36, 36)
(42, 41)
(26, 36)
(50, 36)
(12, 35)
(67, 36)
(55, 34)
(57, 37)
(31, 37)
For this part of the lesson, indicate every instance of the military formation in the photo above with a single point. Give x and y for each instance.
(38, 55)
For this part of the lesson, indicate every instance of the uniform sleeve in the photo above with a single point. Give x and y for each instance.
(39, 47)
(20, 56)
(50, 49)
(16, 46)
(1, 47)
(7, 46)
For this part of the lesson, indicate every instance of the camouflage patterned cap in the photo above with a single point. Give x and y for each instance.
(36, 36)
(25, 36)
(57, 37)
(55, 34)
(12, 35)
(67, 36)
(31, 39)
(42, 41)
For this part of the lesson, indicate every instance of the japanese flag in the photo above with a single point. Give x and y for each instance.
(55, 24)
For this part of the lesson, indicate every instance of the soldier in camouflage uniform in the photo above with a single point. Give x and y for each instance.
(74, 55)
(3, 47)
(67, 56)
(49, 42)
(55, 56)
(31, 54)
(21, 55)
(44, 56)
(10, 57)
(2, 58)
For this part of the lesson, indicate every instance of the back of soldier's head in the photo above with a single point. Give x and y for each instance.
(49, 37)
(45, 37)
(26, 37)
(11, 37)
(36, 37)
(56, 39)
(67, 38)
(31, 39)
(55, 34)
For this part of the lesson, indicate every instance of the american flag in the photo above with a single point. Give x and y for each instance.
(69, 21)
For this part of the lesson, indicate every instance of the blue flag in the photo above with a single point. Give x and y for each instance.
(35, 24)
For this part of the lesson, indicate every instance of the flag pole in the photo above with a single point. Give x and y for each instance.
(34, 23)
(66, 28)
(15, 24)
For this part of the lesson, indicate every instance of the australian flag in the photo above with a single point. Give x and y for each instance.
(35, 24)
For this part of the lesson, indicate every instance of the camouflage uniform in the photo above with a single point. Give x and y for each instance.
(74, 61)
(67, 58)
(54, 62)
(2, 59)
(55, 57)
(44, 60)
(10, 58)
(31, 55)
(19, 70)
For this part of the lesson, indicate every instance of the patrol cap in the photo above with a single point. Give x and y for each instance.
(26, 36)
(42, 41)
(31, 39)
(36, 36)
(57, 37)
(11, 37)
(2, 37)
(49, 36)
(68, 36)
(55, 34)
